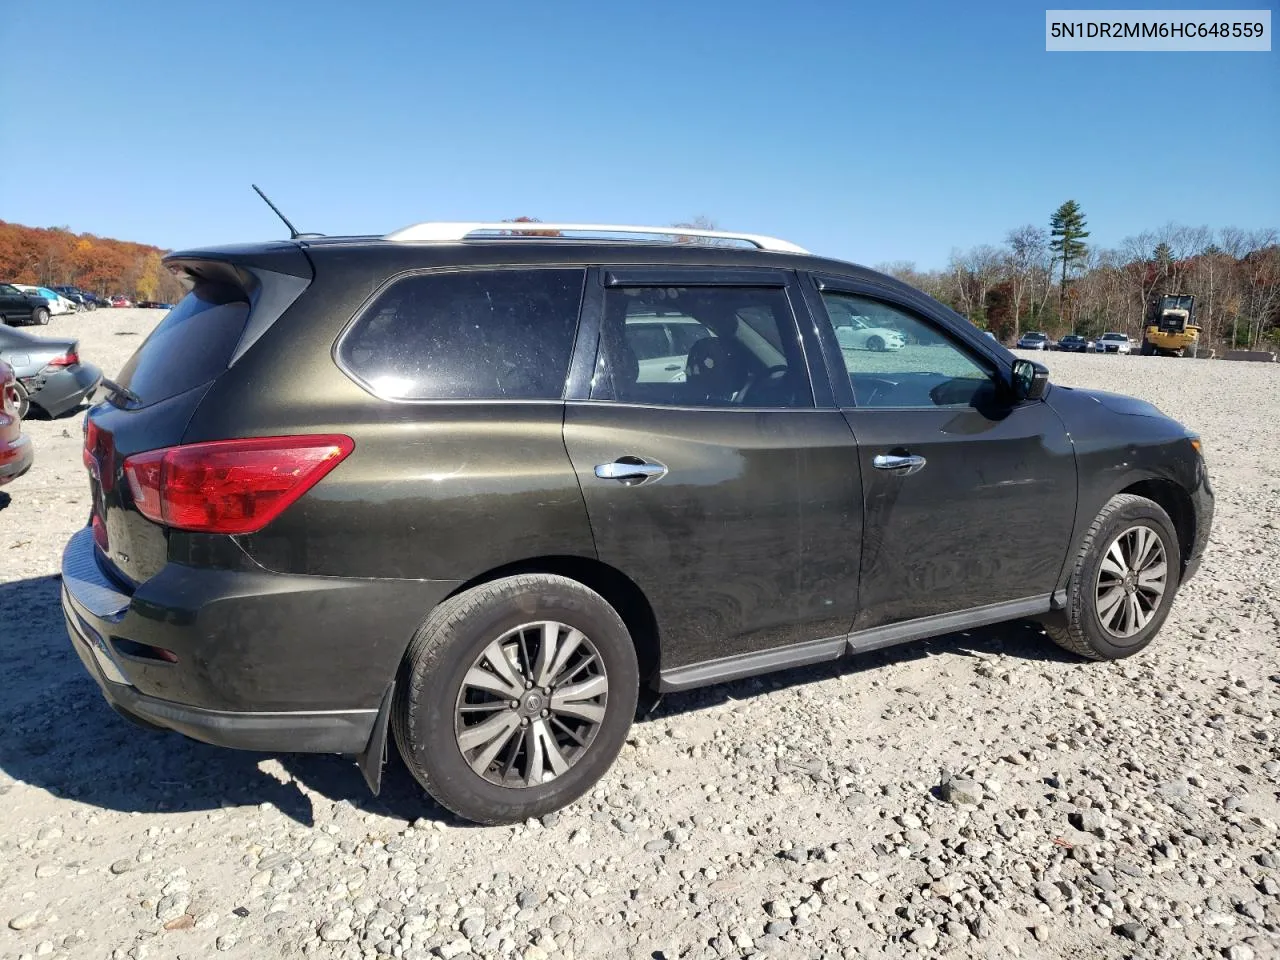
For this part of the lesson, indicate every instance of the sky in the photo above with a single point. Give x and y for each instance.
(871, 132)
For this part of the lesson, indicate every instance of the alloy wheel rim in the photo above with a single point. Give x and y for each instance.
(1131, 583)
(531, 704)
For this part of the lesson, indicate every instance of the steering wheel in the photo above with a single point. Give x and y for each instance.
(769, 375)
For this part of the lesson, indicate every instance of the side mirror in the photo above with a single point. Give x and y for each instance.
(1029, 380)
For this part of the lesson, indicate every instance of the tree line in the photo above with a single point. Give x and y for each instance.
(55, 256)
(1050, 279)
(1039, 278)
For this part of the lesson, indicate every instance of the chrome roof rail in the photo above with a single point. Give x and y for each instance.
(456, 232)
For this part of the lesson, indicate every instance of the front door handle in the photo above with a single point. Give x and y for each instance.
(631, 470)
(902, 465)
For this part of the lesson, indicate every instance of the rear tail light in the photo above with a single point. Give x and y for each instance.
(70, 358)
(230, 486)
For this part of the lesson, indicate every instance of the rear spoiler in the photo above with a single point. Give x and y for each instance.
(271, 277)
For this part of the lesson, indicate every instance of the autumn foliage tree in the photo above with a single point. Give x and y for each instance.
(57, 257)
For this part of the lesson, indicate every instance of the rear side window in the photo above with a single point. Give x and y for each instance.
(192, 344)
(473, 335)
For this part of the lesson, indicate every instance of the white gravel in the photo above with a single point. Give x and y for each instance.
(975, 795)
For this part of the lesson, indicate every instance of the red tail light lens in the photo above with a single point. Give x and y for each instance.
(230, 486)
(70, 358)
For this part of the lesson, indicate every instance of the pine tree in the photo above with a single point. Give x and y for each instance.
(1067, 232)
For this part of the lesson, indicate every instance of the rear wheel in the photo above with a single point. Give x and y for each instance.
(1123, 582)
(515, 697)
(1147, 349)
(40, 316)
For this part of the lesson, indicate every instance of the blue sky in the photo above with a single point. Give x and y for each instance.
(870, 132)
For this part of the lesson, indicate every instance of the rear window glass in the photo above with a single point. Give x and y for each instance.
(478, 335)
(191, 345)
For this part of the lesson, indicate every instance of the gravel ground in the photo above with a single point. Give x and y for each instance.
(975, 795)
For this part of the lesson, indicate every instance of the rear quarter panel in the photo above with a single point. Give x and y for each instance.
(433, 490)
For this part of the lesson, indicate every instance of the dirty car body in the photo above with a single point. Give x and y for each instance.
(825, 502)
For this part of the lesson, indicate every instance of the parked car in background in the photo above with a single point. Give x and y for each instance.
(18, 307)
(1113, 343)
(121, 301)
(255, 572)
(81, 298)
(153, 305)
(16, 452)
(50, 376)
(1074, 343)
(855, 332)
(1034, 341)
(58, 304)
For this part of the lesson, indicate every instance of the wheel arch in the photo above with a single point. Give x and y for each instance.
(618, 590)
(1176, 502)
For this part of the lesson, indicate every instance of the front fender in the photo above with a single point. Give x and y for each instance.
(1117, 450)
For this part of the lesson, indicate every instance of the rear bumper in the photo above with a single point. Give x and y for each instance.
(333, 731)
(16, 457)
(263, 661)
(63, 390)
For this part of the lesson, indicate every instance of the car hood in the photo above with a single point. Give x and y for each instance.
(1118, 402)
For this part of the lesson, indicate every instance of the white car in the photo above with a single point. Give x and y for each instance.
(861, 333)
(58, 304)
(1113, 343)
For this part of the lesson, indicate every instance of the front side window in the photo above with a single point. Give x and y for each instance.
(896, 359)
(473, 335)
(700, 347)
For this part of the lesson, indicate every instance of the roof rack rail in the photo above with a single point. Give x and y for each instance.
(455, 232)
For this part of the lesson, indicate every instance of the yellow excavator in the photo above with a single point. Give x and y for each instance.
(1171, 330)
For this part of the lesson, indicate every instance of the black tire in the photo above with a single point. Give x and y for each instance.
(446, 647)
(876, 344)
(1078, 627)
(24, 400)
(40, 316)
(1147, 349)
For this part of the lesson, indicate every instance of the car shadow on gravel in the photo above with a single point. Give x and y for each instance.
(57, 733)
(1017, 638)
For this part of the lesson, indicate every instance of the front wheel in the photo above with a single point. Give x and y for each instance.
(1123, 582)
(40, 316)
(876, 344)
(515, 697)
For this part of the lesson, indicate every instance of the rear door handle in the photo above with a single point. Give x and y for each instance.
(630, 470)
(902, 465)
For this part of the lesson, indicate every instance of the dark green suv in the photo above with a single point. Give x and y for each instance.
(480, 488)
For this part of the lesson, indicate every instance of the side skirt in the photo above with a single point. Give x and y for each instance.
(859, 641)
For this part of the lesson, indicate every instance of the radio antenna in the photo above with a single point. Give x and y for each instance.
(293, 231)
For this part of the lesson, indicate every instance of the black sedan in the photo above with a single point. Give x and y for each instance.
(19, 307)
(50, 376)
(1074, 343)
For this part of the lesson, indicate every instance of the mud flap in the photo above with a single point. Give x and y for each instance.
(373, 758)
